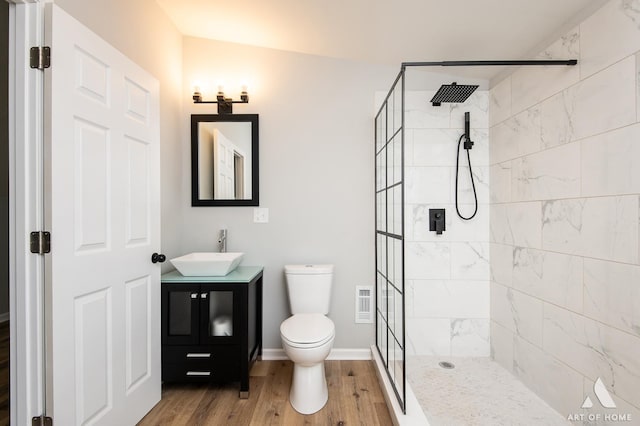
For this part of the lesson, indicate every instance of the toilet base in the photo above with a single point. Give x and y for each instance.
(308, 388)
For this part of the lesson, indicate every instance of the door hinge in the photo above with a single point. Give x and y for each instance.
(41, 421)
(40, 57)
(40, 242)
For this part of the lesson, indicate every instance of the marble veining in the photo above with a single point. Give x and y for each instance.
(470, 337)
(612, 294)
(523, 224)
(465, 188)
(500, 101)
(449, 298)
(605, 227)
(565, 214)
(556, 120)
(594, 350)
(631, 9)
(554, 381)
(553, 277)
(449, 272)
(565, 217)
(549, 174)
(609, 163)
(517, 312)
(501, 267)
(470, 260)
(530, 85)
(567, 46)
(428, 336)
(526, 128)
(478, 105)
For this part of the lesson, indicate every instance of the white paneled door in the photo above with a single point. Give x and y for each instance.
(224, 179)
(102, 161)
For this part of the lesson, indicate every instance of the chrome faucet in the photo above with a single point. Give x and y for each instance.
(222, 241)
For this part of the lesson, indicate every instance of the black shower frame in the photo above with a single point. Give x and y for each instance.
(401, 130)
(388, 138)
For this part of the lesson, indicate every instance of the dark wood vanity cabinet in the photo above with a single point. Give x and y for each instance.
(211, 327)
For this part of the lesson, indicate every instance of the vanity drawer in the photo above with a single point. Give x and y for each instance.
(208, 354)
(201, 363)
(205, 373)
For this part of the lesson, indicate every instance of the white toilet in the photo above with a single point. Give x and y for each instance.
(307, 336)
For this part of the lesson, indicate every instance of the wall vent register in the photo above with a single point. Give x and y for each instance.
(364, 304)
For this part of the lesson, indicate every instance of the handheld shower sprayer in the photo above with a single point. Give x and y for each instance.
(468, 144)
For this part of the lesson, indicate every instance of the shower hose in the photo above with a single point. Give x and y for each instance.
(473, 185)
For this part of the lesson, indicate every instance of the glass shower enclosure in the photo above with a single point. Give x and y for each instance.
(389, 247)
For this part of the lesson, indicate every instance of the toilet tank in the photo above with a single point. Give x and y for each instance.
(309, 288)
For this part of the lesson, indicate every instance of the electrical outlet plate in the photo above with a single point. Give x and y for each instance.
(260, 215)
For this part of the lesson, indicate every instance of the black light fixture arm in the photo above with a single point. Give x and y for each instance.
(225, 105)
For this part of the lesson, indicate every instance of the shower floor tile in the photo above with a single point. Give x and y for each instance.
(478, 391)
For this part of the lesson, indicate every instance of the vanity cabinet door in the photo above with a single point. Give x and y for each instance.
(220, 313)
(180, 314)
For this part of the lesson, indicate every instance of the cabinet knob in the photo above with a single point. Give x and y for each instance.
(194, 295)
(203, 295)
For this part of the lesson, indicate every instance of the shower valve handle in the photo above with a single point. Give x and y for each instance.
(437, 220)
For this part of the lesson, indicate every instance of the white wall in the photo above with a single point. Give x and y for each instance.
(316, 171)
(142, 31)
(316, 153)
(447, 275)
(565, 192)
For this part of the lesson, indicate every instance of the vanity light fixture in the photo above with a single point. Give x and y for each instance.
(225, 105)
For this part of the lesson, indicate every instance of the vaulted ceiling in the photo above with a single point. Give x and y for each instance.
(385, 31)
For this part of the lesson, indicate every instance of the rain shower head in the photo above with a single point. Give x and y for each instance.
(453, 93)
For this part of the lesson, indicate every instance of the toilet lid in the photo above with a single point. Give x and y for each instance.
(307, 328)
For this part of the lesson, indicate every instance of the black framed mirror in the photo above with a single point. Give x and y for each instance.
(224, 160)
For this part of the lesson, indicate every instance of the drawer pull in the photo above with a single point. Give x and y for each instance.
(198, 373)
(198, 355)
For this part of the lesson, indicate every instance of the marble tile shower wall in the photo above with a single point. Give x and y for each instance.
(565, 197)
(447, 276)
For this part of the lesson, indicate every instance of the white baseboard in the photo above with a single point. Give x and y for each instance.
(335, 355)
(350, 354)
(273, 354)
(4, 317)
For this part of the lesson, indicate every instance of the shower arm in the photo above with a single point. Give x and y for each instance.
(568, 62)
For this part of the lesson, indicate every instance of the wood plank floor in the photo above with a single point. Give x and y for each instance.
(355, 398)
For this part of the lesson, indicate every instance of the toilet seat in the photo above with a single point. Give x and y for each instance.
(307, 330)
(306, 345)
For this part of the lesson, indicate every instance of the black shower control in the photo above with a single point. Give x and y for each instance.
(437, 220)
(468, 144)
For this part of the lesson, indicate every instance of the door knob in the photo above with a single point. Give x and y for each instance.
(158, 258)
